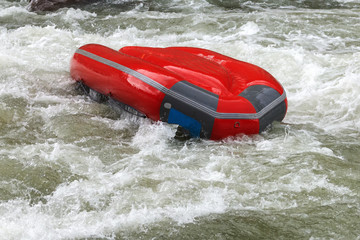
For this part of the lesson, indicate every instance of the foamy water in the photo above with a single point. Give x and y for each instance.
(71, 168)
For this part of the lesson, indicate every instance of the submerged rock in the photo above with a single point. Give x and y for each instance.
(50, 5)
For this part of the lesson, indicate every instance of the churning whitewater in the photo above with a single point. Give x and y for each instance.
(71, 168)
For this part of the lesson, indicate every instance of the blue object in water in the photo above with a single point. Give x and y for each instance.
(185, 121)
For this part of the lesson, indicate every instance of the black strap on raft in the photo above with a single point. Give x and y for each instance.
(119, 107)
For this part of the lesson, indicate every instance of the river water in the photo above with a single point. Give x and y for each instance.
(71, 168)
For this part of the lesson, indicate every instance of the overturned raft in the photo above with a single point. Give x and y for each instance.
(206, 93)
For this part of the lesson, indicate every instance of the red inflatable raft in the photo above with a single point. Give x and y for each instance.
(206, 93)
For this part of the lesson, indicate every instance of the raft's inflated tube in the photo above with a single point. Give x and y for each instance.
(208, 94)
